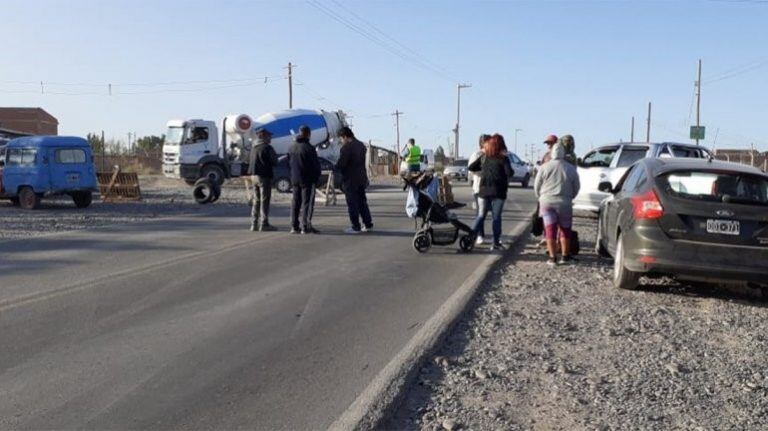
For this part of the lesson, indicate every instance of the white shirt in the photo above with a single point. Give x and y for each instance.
(475, 176)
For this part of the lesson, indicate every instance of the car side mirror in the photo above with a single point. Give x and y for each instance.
(605, 187)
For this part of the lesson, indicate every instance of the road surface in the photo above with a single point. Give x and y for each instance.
(194, 322)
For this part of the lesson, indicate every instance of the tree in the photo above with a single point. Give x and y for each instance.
(150, 144)
(96, 143)
(440, 154)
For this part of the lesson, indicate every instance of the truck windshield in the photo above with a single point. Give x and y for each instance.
(174, 135)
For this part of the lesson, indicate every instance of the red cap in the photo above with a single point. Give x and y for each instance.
(551, 139)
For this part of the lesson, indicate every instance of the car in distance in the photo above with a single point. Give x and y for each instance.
(522, 172)
(457, 170)
(282, 180)
(34, 167)
(610, 162)
(694, 219)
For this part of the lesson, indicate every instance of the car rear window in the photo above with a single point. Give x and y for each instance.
(70, 155)
(601, 158)
(629, 155)
(732, 187)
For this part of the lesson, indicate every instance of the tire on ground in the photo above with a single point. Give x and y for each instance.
(82, 199)
(204, 191)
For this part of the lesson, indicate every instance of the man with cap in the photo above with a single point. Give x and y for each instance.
(550, 140)
(261, 164)
(305, 173)
(355, 180)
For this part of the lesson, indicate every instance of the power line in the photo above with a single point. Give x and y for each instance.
(377, 40)
(393, 40)
(740, 70)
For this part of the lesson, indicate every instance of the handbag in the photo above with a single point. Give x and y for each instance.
(537, 223)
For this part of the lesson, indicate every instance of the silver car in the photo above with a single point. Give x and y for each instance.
(457, 171)
(610, 162)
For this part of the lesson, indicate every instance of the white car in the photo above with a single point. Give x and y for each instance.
(610, 162)
(522, 170)
(457, 170)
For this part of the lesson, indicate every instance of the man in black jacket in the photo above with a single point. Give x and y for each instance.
(261, 164)
(305, 173)
(355, 180)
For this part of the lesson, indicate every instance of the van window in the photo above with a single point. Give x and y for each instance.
(685, 151)
(601, 158)
(70, 155)
(629, 155)
(21, 156)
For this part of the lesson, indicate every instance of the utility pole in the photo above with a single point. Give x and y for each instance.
(397, 115)
(103, 151)
(698, 102)
(290, 84)
(648, 129)
(458, 117)
(516, 130)
(632, 133)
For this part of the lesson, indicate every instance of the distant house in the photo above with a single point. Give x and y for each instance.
(28, 121)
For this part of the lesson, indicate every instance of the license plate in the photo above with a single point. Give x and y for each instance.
(724, 227)
(73, 178)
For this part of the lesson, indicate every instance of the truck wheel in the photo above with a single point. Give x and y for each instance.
(283, 185)
(204, 191)
(28, 199)
(213, 173)
(622, 277)
(82, 199)
(526, 180)
(216, 193)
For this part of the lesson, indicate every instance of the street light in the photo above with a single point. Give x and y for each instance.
(458, 116)
(516, 130)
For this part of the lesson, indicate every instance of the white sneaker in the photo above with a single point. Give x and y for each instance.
(351, 231)
(366, 229)
(480, 240)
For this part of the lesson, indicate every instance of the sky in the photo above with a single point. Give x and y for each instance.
(578, 67)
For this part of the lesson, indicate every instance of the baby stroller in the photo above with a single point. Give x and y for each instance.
(439, 226)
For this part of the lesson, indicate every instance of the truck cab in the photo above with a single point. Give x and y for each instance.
(192, 151)
(40, 166)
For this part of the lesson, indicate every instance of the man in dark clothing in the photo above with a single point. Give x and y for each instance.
(261, 164)
(305, 173)
(355, 180)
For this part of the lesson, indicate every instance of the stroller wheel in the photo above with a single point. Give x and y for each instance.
(422, 242)
(467, 242)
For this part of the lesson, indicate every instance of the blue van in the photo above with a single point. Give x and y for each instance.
(33, 167)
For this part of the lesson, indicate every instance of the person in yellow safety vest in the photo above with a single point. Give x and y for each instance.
(412, 156)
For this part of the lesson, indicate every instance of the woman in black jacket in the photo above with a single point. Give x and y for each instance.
(494, 170)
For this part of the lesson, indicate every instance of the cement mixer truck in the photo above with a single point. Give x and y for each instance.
(197, 148)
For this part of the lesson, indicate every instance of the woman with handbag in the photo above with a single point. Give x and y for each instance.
(494, 170)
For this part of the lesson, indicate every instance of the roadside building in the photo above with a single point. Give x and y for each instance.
(28, 121)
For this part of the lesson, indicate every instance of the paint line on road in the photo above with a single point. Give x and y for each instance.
(369, 408)
(12, 303)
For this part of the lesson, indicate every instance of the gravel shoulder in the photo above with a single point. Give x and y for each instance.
(562, 349)
(161, 197)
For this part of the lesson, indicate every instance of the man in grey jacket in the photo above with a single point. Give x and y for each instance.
(556, 185)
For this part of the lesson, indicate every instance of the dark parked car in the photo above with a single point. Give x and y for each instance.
(283, 174)
(693, 219)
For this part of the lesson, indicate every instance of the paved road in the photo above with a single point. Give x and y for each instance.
(194, 322)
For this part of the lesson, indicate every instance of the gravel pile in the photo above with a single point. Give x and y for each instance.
(561, 349)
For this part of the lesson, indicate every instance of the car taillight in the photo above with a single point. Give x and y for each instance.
(647, 206)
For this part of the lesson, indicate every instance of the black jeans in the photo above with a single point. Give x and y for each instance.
(262, 195)
(303, 204)
(357, 205)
